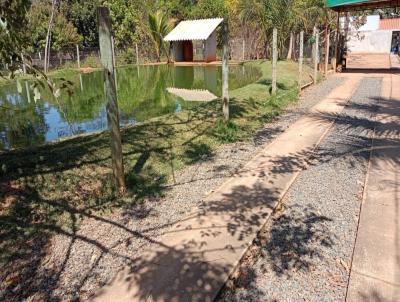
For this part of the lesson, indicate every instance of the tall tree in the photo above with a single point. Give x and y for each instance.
(63, 33)
(82, 14)
(48, 36)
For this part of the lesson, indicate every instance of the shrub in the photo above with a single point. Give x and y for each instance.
(91, 61)
(226, 132)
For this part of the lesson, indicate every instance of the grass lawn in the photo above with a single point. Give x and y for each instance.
(48, 189)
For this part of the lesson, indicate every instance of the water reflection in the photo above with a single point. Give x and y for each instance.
(142, 94)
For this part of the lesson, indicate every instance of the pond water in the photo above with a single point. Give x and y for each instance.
(143, 92)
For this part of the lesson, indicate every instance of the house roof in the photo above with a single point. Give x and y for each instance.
(353, 5)
(389, 23)
(193, 30)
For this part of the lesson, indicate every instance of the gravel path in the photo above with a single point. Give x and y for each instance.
(76, 266)
(304, 253)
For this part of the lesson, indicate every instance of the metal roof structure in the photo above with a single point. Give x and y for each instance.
(354, 5)
(193, 30)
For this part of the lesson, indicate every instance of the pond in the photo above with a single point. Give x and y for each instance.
(144, 92)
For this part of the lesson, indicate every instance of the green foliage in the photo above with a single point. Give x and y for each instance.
(82, 14)
(177, 9)
(159, 27)
(127, 17)
(64, 34)
(209, 9)
(226, 132)
(91, 61)
(128, 56)
(13, 31)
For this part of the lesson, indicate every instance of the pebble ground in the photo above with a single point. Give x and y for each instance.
(304, 252)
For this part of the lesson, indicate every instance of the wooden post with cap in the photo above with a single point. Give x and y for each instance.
(274, 59)
(106, 55)
(225, 71)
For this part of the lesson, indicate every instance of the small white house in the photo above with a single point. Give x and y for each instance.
(375, 36)
(183, 35)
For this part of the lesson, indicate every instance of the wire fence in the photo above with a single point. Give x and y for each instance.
(245, 48)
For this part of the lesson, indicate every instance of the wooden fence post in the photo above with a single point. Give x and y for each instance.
(313, 47)
(23, 63)
(274, 59)
(78, 57)
(114, 64)
(113, 51)
(243, 49)
(335, 56)
(301, 53)
(225, 72)
(106, 55)
(316, 55)
(137, 54)
(27, 91)
(290, 50)
(327, 44)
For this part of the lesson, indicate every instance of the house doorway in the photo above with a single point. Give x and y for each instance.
(187, 51)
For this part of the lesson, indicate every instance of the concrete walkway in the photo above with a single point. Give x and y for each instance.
(195, 257)
(375, 272)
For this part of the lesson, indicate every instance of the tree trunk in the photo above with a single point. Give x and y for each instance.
(47, 47)
(291, 41)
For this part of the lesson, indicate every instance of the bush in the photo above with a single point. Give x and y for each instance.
(91, 61)
(226, 132)
(126, 57)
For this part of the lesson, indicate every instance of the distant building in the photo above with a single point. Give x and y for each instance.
(186, 32)
(375, 36)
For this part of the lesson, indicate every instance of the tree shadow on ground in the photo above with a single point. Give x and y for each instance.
(294, 239)
(372, 296)
(198, 152)
(268, 82)
(47, 190)
(193, 268)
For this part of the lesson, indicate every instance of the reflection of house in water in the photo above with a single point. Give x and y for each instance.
(192, 94)
(183, 35)
(195, 84)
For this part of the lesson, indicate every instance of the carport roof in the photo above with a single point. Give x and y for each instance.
(352, 5)
(193, 30)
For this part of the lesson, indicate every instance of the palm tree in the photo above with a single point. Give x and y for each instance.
(159, 27)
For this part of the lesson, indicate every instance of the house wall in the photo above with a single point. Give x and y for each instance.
(177, 49)
(376, 41)
(210, 48)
